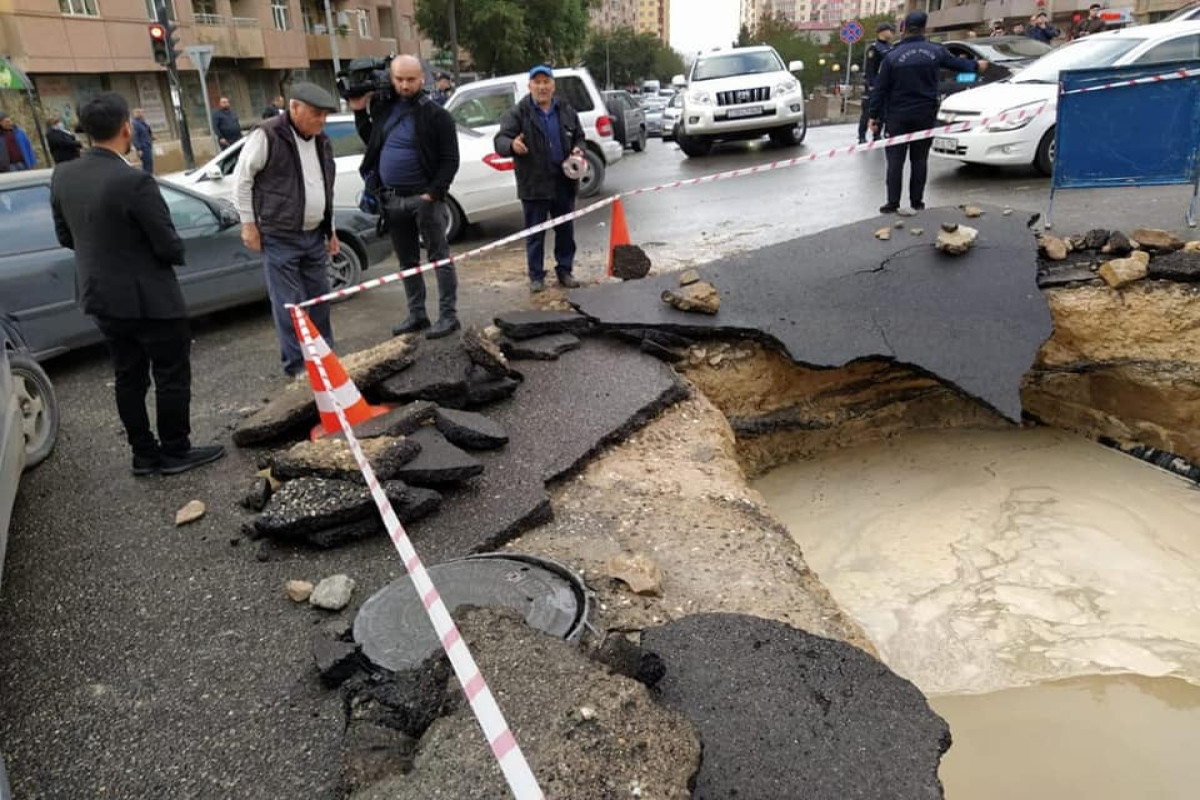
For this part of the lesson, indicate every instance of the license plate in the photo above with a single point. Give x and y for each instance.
(748, 111)
(949, 145)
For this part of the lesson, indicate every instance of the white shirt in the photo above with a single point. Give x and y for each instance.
(254, 157)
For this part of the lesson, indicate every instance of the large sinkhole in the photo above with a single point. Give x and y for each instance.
(1041, 588)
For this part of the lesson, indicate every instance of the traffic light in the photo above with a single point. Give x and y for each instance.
(159, 43)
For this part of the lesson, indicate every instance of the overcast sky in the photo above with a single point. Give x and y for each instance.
(703, 24)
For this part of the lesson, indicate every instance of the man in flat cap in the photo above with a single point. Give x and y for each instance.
(283, 190)
(879, 48)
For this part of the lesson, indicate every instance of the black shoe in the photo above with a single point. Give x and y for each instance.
(411, 325)
(444, 327)
(864, 141)
(197, 456)
(567, 281)
(146, 465)
(537, 287)
(890, 208)
(918, 206)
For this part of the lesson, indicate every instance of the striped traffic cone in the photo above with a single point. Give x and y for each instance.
(353, 405)
(618, 232)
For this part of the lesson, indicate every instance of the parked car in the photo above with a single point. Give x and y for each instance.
(670, 117)
(483, 189)
(629, 119)
(740, 93)
(37, 276)
(1031, 140)
(1190, 12)
(1006, 56)
(481, 106)
(653, 107)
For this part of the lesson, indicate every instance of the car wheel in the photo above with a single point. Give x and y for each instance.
(802, 130)
(593, 176)
(454, 223)
(345, 269)
(1043, 162)
(639, 144)
(39, 408)
(693, 147)
(786, 137)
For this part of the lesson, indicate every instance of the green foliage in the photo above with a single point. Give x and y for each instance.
(506, 36)
(792, 44)
(627, 57)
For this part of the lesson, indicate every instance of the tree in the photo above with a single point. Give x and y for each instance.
(624, 57)
(506, 36)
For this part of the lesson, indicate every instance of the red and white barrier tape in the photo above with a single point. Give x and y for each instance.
(504, 746)
(1166, 76)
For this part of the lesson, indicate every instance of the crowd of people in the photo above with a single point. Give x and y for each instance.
(1041, 29)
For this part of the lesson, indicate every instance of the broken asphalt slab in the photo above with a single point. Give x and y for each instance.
(975, 321)
(529, 324)
(786, 714)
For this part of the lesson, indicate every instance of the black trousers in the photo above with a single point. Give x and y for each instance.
(865, 117)
(161, 348)
(918, 156)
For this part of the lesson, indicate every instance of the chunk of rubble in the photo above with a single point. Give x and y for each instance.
(1118, 244)
(469, 430)
(688, 277)
(332, 458)
(336, 660)
(298, 591)
(1124, 271)
(439, 376)
(637, 571)
(884, 234)
(528, 324)
(541, 348)
(624, 745)
(1095, 239)
(324, 512)
(483, 390)
(702, 298)
(1180, 266)
(256, 497)
(439, 462)
(411, 503)
(630, 262)
(484, 353)
(973, 212)
(332, 593)
(1054, 247)
(955, 239)
(399, 421)
(1192, 247)
(295, 407)
(191, 512)
(1157, 241)
(797, 715)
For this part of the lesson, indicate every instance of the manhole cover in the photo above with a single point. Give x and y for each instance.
(396, 634)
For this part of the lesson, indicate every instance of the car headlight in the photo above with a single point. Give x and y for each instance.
(787, 87)
(1015, 121)
(700, 97)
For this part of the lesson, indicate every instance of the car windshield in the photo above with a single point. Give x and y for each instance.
(1012, 50)
(654, 103)
(1190, 11)
(726, 66)
(1094, 51)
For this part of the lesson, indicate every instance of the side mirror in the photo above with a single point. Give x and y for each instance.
(679, 82)
(213, 172)
(796, 66)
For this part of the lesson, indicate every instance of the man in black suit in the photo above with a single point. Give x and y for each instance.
(125, 244)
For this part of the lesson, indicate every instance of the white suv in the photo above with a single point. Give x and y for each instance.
(482, 104)
(740, 93)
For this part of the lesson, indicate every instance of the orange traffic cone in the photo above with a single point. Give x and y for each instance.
(618, 232)
(352, 403)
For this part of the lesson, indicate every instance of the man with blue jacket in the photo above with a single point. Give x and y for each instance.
(906, 99)
(16, 151)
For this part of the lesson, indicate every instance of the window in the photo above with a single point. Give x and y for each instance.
(344, 138)
(572, 89)
(281, 15)
(364, 24)
(85, 8)
(26, 224)
(475, 108)
(1184, 48)
(187, 212)
(152, 14)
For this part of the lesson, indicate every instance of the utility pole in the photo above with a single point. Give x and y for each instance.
(333, 50)
(451, 9)
(163, 43)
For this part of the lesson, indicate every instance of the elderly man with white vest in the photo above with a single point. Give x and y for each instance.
(284, 194)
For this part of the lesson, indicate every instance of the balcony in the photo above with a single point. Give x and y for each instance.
(231, 37)
(349, 46)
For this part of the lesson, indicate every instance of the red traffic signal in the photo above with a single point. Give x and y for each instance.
(160, 44)
(158, 33)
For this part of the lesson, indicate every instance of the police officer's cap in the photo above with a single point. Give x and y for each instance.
(915, 20)
(313, 95)
(885, 26)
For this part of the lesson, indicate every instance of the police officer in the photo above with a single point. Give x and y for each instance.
(879, 48)
(906, 96)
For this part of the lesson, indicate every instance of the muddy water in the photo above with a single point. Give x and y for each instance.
(1024, 580)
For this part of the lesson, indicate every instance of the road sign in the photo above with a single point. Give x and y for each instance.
(201, 55)
(851, 31)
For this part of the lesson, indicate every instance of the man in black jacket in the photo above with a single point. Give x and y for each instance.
(539, 133)
(879, 48)
(226, 124)
(125, 244)
(409, 164)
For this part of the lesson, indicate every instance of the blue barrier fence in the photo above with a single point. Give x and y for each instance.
(1143, 135)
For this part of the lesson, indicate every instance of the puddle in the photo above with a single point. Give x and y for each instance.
(1109, 738)
(1018, 578)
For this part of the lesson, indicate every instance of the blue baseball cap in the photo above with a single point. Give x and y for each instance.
(541, 69)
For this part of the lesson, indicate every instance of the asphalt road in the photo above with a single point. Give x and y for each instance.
(142, 660)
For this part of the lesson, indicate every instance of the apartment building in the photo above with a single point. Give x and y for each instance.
(608, 15)
(959, 16)
(816, 14)
(73, 49)
(654, 16)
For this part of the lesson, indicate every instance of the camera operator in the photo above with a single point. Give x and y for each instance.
(410, 161)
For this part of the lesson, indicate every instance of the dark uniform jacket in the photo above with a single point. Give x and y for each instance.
(125, 243)
(907, 87)
(875, 55)
(63, 146)
(1046, 34)
(437, 143)
(537, 175)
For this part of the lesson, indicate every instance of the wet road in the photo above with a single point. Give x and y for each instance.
(142, 660)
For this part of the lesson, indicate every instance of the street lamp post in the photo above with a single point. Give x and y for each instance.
(333, 45)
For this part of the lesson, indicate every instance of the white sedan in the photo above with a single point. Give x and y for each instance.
(1031, 140)
(484, 188)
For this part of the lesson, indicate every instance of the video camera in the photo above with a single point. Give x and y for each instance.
(364, 75)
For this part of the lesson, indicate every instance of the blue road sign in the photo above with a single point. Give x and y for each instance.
(851, 31)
